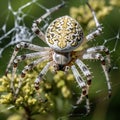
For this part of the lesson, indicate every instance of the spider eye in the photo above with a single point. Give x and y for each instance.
(64, 34)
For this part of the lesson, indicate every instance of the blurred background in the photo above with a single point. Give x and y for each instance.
(59, 92)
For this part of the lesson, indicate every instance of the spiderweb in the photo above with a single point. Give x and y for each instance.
(21, 31)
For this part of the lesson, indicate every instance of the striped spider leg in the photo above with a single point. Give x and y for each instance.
(93, 53)
(24, 45)
(35, 27)
(42, 73)
(40, 52)
(98, 30)
(81, 82)
(33, 64)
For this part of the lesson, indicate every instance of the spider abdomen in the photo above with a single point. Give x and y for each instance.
(64, 34)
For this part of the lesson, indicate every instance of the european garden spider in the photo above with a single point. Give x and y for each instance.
(63, 36)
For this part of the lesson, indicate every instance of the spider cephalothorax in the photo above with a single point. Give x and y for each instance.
(63, 35)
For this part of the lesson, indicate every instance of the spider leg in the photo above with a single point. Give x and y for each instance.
(26, 69)
(98, 56)
(98, 30)
(82, 85)
(42, 73)
(22, 58)
(85, 71)
(101, 49)
(35, 27)
(26, 46)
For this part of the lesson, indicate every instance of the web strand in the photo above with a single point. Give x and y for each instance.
(19, 31)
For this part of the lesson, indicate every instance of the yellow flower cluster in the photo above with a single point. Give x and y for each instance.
(115, 3)
(27, 96)
(83, 15)
(41, 100)
(15, 117)
(60, 79)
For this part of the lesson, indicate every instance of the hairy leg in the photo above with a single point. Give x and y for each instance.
(26, 46)
(85, 71)
(98, 30)
(35, 27)
(98, 56)
(27, 68)
(82, 85)
(42, 73)
(101, 49)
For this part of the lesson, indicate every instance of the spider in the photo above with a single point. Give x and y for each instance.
(62, 36)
